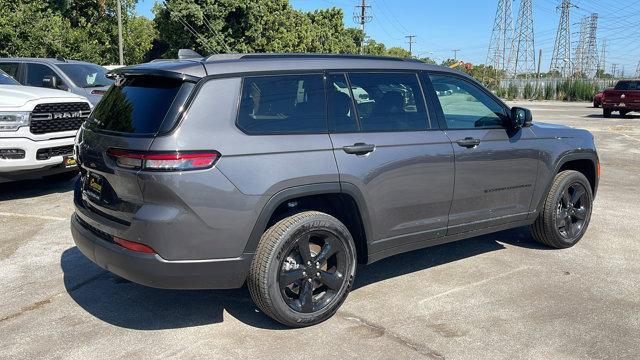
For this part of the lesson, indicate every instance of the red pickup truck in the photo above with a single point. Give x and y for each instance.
(625, 98)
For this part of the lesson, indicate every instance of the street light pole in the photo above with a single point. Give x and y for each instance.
(120, 46)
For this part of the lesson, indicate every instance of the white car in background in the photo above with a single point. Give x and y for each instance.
(37, 130)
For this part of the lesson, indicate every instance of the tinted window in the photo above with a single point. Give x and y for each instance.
(10, 68)
(342, 117)
(283, 104)
(37, 72)
(6, 79)
(465, 105)
(86, 75)
(628, 85)
(388, 102)
(138, 106)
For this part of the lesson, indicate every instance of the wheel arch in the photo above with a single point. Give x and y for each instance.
(583, 161)
(345, 203)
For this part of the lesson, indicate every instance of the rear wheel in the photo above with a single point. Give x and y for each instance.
(623, 113)
(566, 212)
(303, 269)
(606, 113)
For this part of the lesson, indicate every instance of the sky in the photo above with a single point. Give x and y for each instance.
(442, 26)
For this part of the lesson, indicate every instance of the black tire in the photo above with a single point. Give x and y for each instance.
(566, 211)
(65, 176)
(606, 113)
(623, 113)
(596, 104)
(279, 258)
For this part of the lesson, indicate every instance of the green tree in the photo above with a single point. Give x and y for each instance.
(250, 26)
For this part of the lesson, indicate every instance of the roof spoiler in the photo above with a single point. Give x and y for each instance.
(187, 54)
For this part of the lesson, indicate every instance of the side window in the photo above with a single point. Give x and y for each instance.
(37, 72)
(10, 68)
(283, 104)
(389, 102)
(466, 106)
(342, 116)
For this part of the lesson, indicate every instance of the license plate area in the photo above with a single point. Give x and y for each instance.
(69, 161)
(93, 186)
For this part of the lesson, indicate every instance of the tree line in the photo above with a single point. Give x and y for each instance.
(87, 30)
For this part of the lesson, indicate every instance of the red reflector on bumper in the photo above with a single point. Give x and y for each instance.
(133, 246)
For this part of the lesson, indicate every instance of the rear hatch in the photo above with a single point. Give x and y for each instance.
(131, 114)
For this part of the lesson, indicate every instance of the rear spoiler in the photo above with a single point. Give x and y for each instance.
(149, 71)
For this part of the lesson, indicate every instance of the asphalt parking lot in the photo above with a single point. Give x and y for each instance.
(496, 296)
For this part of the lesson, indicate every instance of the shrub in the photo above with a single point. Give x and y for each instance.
(512, 91)
(528, 91)
(549, 92)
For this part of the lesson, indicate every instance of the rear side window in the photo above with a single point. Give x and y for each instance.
(10, 68)
(139, 106)
(628, 85)
(283, 104)
(388, 102)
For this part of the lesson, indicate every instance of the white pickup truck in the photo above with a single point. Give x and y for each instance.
(37, 130)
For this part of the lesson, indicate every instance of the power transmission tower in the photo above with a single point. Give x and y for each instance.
(614, 68)
(591, 48)
(361, 17)
(603, 58)
(501, 36)
(522, 58)
(410, 41)
(561, 58)
(581, 48)
(638, 71)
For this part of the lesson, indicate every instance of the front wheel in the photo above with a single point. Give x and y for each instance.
(606, 113)
(303, 269)
(566, 211)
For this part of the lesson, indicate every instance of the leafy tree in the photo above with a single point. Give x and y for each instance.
(250, 26)
(74, 29)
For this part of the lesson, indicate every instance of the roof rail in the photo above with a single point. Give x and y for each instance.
(219, 57)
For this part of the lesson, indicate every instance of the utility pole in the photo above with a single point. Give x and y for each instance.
(614, 68)
(538, 73)
(455, 54)
(501, 36)
(638, 71)
(522, 58)
(410, 41)
(120, 46)
(561, 57)
(361, 17)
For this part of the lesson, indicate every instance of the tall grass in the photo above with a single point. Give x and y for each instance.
(567, 90)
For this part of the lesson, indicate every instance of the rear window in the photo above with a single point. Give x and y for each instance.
(628, 85)
(139, 106)
(283, 104)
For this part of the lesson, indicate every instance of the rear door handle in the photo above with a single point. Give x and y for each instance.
(359, 149)
(468, 142)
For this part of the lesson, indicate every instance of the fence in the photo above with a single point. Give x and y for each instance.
(553, 88)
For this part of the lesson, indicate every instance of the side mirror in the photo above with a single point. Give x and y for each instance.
(52, 82)
(521, 117)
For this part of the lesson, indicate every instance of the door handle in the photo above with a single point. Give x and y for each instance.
(468, 142)
(359, 149)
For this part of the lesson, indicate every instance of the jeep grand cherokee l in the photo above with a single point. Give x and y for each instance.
(206, 173)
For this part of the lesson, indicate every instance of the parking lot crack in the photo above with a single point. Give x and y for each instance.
(399, 339)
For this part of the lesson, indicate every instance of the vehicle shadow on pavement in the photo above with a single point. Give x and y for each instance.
(125, 304)
(34, 188)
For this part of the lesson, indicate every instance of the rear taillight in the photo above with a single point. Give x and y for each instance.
(164, 161)
(133, 246)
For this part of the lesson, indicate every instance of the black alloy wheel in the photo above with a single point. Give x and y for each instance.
(313, 272)
(572, 211)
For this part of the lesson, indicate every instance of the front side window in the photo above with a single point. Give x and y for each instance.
(466, 106)
(283, 104)
(86, 75)
(388, 102)
(36, 73)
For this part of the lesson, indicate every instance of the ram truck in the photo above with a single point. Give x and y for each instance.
(624, 98)
(37, 130)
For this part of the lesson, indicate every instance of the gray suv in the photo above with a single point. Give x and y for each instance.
(79, 77)
(271, 170)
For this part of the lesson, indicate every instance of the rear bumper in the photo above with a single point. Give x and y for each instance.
(152, 270)
(617, 107)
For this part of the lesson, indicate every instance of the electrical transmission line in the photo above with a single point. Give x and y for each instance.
(522, 58)
(561, 58)
(361, 17)
(500, 36)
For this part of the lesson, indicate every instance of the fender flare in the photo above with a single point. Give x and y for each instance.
(270, 206)
(582, 154)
